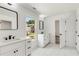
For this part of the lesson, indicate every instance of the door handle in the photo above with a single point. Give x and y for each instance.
(28, 54)
(16, 50)
(76, 43)
(78, 35)
(28, 47)
(60, 34)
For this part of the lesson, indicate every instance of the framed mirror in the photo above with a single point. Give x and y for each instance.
(8, 19)
(41, 25)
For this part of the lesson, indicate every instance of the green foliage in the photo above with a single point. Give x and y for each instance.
(31, 22)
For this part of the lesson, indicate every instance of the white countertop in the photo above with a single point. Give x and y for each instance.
(13, 41)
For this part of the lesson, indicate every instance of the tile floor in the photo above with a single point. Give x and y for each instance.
(54, 50)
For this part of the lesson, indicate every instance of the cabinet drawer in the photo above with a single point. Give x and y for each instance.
(20, 51)
(28, 50)
(8, 53)
(28, 53)
(28, 39)
(28, 47)
(28, 44)
(12, 46)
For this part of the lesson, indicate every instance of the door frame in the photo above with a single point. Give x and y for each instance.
(55, 32)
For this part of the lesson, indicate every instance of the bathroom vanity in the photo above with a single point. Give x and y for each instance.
(9, 44)
(18, 47)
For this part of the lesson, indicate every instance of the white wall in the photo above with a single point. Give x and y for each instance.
(49, 29)
(57, 27)
(55, 8)
(50, 25)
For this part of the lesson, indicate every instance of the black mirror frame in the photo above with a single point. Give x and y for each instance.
(16, 17)
(41, 25)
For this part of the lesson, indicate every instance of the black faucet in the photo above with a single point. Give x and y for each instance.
(5, 38)
(10, 37)
(13, 37)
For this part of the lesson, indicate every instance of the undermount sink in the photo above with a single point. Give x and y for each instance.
(2, 43)
(6, 42)
(9, 41)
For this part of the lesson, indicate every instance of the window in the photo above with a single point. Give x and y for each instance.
(30, 22)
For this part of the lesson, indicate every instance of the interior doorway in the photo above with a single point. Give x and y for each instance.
(30, 27)
(57, 36)
(31, 31)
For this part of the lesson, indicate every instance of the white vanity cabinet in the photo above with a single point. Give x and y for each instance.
(14, 49)
(28, 47)
(41, 40)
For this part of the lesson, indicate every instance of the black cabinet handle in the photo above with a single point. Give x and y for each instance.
(76, 43)
(14, 51)
(60, 34)
(28, 47)
(75, 31)
(77, 35)
(28, 54)
(29, 41)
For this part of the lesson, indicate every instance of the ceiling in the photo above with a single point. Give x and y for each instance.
(54, 8)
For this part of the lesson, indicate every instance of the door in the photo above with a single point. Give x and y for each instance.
(62, 32)
(77, 30)
(77, 35)
(70, 32)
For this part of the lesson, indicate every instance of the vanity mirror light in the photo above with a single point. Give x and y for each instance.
(8, 19)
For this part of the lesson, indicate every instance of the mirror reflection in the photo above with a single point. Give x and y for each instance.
(8, 18)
